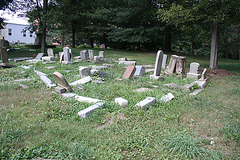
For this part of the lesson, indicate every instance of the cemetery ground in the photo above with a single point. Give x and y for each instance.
(38, 123)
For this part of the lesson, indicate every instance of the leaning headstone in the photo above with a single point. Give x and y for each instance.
(84, 71)
(129, 72)
(167, 97)
(39, 56)
(50, 52)
(146, 102)
(158, 65)
(81, 81)
(91, 54)
(84, 55)
(140, 70)
(60, 90)
(203, 75)
(121, 101)
(62, 82)
(47, 81)
(171, 68)
(101, 53)
(194, 71)
(164, 61)
(204, 80)
(4, 56)
(87, 111)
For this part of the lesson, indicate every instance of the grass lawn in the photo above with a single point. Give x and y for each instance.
(38, 123)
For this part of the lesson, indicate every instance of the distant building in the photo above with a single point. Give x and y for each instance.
(15, 33)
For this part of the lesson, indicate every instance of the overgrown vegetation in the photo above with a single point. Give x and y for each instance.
(37, 123)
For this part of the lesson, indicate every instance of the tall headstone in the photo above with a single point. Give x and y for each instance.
(50, 52)
(129, 72)
(84, 55)
(181, 65)
(158, 65)
(194, 71)
(66, 54)
(39, 56)
(164, 61)
(62, 82)
(91, 54)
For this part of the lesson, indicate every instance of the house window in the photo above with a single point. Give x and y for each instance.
(9, 32)
(24, 33)
(31, 34)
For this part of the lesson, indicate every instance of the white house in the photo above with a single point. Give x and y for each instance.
(15, 33)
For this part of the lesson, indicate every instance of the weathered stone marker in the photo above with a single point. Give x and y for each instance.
(146, 102)
(164, 61)
(167, 97)
(101, 54)
(66, 55)
(194, 71)
(84, 55)
(129, 72)
(140, 70)
(87, 111)
(47, 81)
(158, 65)
(4, 56)
(176, 64)
(62, 82)
(91, 54)
(39, 56)
(127, 63)
(81, 81)
(121, 101)
(84, 71)
(50, 52)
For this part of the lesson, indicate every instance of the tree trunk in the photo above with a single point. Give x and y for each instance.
(214, 47)
(168, 39)
(91, 43)
(73, 38)
(43, 42)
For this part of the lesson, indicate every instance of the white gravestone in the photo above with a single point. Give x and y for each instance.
(84, 55)
(84, 71)
(164, 61)
(146, 102)
(158, 66)
(140, 70)
(91, 54)
(194, 71)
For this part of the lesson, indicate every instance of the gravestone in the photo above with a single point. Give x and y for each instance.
(101, 54)
(181, 65)
(62, 82)
(146, 102)
(84, 71)
(203, 81)
(91, 54)
(87, 111)
(167, 97)
(140, 70)
(84, 55)
(129, 72)
(194, 71)
(47, 81)
(158, 65)
(203, 75)
(50, 52)
(127, 63)
(86, 99)
(121, 101)
(81, 81)
(176, 64)
(164, 61)
(66, 55)
(39, 56)
(4, 56)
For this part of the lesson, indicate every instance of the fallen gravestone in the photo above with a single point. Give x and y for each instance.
(81, 81)
(86, 99)
(171, 85)
(203, 81)
(129, 72)
(62, 82)
(84, 71)
(23, 86)
(87, 111)
(121, 101)
(146, 102)
(39, 56)
(167, 97)
(127, 63)
(196, 91)
(47, 81)
(142, 90)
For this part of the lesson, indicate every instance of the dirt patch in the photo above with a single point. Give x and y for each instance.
(218, 72)
(112, 120)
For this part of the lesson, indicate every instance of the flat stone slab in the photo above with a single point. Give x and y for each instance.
(81, 81)
(202, 83)
(33, 60)
(149, 70)
(87, 99)
(146, 102)
(22, 59)
(156, 77)
(98, 81)
(50, 67)
(99, 67)
(26, 67)
(108, 65)
(121, 101)
(67, 95)
(20, 80)
(142, 90)
(196, 91)
(172, 85)
(40, 73)
(148, 66)
(128, 63)
(47, 58)
(187, 87)
(23, 86)
(47, 81)
(87, 111)
(167, 97)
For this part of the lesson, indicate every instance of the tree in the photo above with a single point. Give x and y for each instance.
(3, 5)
